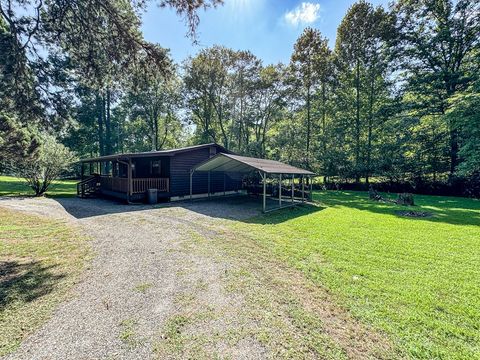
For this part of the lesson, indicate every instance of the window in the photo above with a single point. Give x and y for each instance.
(155, 168)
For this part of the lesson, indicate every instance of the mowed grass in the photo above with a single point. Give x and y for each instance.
(40, 259)
(415, 279)
(13, 186)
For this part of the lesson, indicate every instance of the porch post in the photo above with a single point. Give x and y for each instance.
(293, 188)
(209, 184)
(130, 182)
(280, 190)
(82, 170)
(311, 189)
(303, 188)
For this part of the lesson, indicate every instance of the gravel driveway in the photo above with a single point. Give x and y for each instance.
(175, 281)
(138, 272)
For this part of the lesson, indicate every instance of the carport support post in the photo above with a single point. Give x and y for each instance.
(293, 189)
(303, 188)
(280, 190)
(264, 179)
(130, 176)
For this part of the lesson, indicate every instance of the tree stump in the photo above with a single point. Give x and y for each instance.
(405, 199)
(373, 194)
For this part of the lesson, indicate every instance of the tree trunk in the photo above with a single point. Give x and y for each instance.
(101, 145)
(308, 128)
(324, 117)
(453, 150)
(370, 126)
(108, 125)
(357, 124)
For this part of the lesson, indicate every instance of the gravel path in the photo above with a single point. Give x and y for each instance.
(128, 292)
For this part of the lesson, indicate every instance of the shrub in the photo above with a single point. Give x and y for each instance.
(52, 160)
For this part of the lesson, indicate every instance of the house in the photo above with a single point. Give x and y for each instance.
(189, 172)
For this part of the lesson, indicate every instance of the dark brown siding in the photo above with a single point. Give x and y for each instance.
(142, 167)
(180, 165)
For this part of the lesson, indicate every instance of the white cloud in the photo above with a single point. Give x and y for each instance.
(305, 13)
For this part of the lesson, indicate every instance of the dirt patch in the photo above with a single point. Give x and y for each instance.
(414, 213)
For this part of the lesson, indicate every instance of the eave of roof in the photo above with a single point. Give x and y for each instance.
(223, 162)
(170, 152)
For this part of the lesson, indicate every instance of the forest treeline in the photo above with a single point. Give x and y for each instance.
(397, 99)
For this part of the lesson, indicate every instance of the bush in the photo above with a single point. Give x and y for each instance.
(52, 160)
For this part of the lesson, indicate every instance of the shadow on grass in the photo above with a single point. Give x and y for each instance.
(286, 214)
(25, 281)
(456, 211)
(240, 208)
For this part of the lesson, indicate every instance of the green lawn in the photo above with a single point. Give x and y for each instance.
(415, 279)
(40, 259)
(12, 186)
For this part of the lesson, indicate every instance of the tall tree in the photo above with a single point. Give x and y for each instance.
(97, 35)
(305, 78)
(155, 98)
(207, 90)
(437, 38)
(245, 76)
(361, 50)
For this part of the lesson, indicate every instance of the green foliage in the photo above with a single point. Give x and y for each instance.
(395, 99)
(232, 99)
(16, 141)
(154, 98)
(39, 172)
(464, 114)
(309, 75)
(436, 46)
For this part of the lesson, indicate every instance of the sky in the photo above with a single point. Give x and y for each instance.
(268, 28)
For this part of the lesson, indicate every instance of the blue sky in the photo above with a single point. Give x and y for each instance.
(268, 28)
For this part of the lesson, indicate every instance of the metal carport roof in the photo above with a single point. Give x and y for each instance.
(242, 164)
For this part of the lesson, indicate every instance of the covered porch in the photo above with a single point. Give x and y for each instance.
(124, 177)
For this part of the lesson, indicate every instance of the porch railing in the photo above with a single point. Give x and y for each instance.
(139, 185)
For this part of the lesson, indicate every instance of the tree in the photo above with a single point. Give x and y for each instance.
(16, 141)
(53, 159)
(244, 78)
(362, 59)
(207, 93)
(309, 49)
(268, 106)
(464, 114)
(18, 95)
(155, 98)
(436, 40)
(102, 39)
